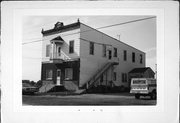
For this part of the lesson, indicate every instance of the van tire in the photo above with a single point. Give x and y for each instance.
(153, 95)
(137, 96)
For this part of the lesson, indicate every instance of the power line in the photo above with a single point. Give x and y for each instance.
(97, 28)
(32, 41)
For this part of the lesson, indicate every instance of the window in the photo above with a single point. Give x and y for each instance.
(48, 50)
(124, 77)
(49, 74)
(125, 55)
(114, 77)
(104, 50)
(91, 48)
(71, 46)
(141, 58)
(133, 57)
(110, 53)
(115, 52)
(68, 73)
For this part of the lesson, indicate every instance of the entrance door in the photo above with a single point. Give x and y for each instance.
(58, 78)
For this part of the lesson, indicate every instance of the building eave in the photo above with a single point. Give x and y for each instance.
(61, 29)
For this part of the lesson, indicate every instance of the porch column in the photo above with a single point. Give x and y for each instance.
(52, 45)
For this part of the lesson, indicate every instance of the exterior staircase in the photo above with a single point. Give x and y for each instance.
(70, 86)
(95, 77)
(46, 87)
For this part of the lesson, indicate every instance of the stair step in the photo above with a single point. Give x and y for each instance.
(46, 88)
(80, 91)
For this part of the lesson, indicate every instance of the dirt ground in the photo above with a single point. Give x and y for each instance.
(86, 99)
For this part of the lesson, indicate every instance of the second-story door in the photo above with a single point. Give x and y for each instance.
(59, 52)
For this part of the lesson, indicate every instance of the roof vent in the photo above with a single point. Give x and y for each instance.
(58, 25)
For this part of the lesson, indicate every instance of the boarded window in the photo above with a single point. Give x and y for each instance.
(125, 55)
(48, 50)
(141, 58)
(91, 48)
(49, 74)
(71, 46)
(133, 57)
(115, 52)
(68, 73)
(104, 50)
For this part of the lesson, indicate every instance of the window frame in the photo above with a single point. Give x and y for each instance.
(125, 55)
(104, 50)
(114, 76)
(141, 58)
(71, 46)
(48, 50)
(66, 74)
(124, 77)
(115, 52)
(91, 48)
(133, 57)
(49, 74)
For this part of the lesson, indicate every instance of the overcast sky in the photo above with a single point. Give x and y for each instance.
(141, 35)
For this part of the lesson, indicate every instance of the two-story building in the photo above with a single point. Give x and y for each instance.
(77, 56)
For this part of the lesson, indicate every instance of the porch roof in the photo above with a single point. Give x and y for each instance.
(57, 39)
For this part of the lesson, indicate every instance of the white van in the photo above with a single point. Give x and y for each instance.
(143, 87)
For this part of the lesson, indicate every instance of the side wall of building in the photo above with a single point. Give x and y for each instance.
(89, 64)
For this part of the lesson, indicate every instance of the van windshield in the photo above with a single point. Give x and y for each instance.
(139, 81)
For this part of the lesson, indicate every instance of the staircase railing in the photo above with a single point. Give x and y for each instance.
(98, 74)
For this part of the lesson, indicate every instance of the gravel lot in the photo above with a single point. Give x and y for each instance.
(87, 99)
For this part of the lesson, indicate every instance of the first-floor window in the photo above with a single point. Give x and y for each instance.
(68, 73)
(124, 77)
(49, 74)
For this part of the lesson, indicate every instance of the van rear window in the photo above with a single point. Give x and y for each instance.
(139, 81)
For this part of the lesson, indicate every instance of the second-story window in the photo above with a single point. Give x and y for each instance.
(71, 46)
(115, 52)
(104, 50)
(91, 48)
(110, 53)
(48, 50)
(133, 57)
(125, 55)
(141, 58)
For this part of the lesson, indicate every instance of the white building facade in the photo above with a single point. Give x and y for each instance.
(79, 56)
